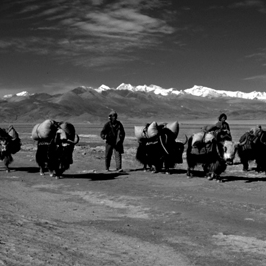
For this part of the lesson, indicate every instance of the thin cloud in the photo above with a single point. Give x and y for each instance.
(94, 38)
(90, 29)
(257, 4)
(123, 21)
(257, 78)
(260, 56)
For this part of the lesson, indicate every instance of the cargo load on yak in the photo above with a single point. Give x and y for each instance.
(147, 132)
(174, 127)
(202, 137)
(202, 142)
(45, 130)
(15, 142)
(69, 129)
(151, 131)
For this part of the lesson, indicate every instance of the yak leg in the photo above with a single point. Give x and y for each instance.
(167, 165)
(206, 170)
(245, 165)
(147, 167)
(158, 165)
(41, 157)
(189, 172)
(7, 160)
(190, 168)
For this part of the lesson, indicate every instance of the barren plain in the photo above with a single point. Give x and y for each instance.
(94, 218)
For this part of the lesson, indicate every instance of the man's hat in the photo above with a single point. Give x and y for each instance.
(112, 113)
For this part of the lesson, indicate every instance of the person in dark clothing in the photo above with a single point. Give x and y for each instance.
(221, 128)
(114, 134)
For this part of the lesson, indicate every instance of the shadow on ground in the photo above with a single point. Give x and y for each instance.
(95, 176)
(243, 178)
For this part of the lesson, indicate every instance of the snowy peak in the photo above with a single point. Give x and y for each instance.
(208, 92)
(20, 94)
(148, 89)
(23, 93)
(203, 92)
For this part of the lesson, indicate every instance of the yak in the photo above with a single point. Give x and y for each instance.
(10, 143)
(254, 149)
(161, 151)
(214, 155)
(55, 154)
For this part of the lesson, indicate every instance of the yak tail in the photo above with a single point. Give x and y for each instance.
(141, 154)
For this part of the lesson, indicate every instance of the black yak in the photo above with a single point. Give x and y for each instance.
(161, 151)
(214, 155)
(55, 154)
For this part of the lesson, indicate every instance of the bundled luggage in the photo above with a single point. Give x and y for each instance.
(202, 137)
(174, 127)
(45, 130)
(202, 143)
(146, 132)
(69, 129)
(150, 131)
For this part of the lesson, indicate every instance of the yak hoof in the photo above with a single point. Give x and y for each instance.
(189, 174)
(210, 177)
(7, 171)
(57, 177)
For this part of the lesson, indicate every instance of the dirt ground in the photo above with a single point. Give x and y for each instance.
(90, 217)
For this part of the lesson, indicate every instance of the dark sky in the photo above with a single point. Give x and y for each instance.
(56, 45)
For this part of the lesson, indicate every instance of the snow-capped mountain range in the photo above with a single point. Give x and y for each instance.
(196, 90)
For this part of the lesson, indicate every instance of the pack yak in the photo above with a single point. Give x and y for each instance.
(253, 149)
(213, 154)
(161, 151)
(55, 145)
(10, 143)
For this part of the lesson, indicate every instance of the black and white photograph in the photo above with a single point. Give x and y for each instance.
(133, 133)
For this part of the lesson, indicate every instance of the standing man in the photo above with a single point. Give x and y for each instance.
(114, 134)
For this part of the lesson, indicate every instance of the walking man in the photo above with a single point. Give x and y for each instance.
(114, 134)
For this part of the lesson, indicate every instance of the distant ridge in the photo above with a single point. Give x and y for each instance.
(134, 104)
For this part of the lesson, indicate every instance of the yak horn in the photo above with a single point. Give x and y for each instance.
(74, 142)
(186, 141)
(242, 143)
(160, 138)
(261, 140)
